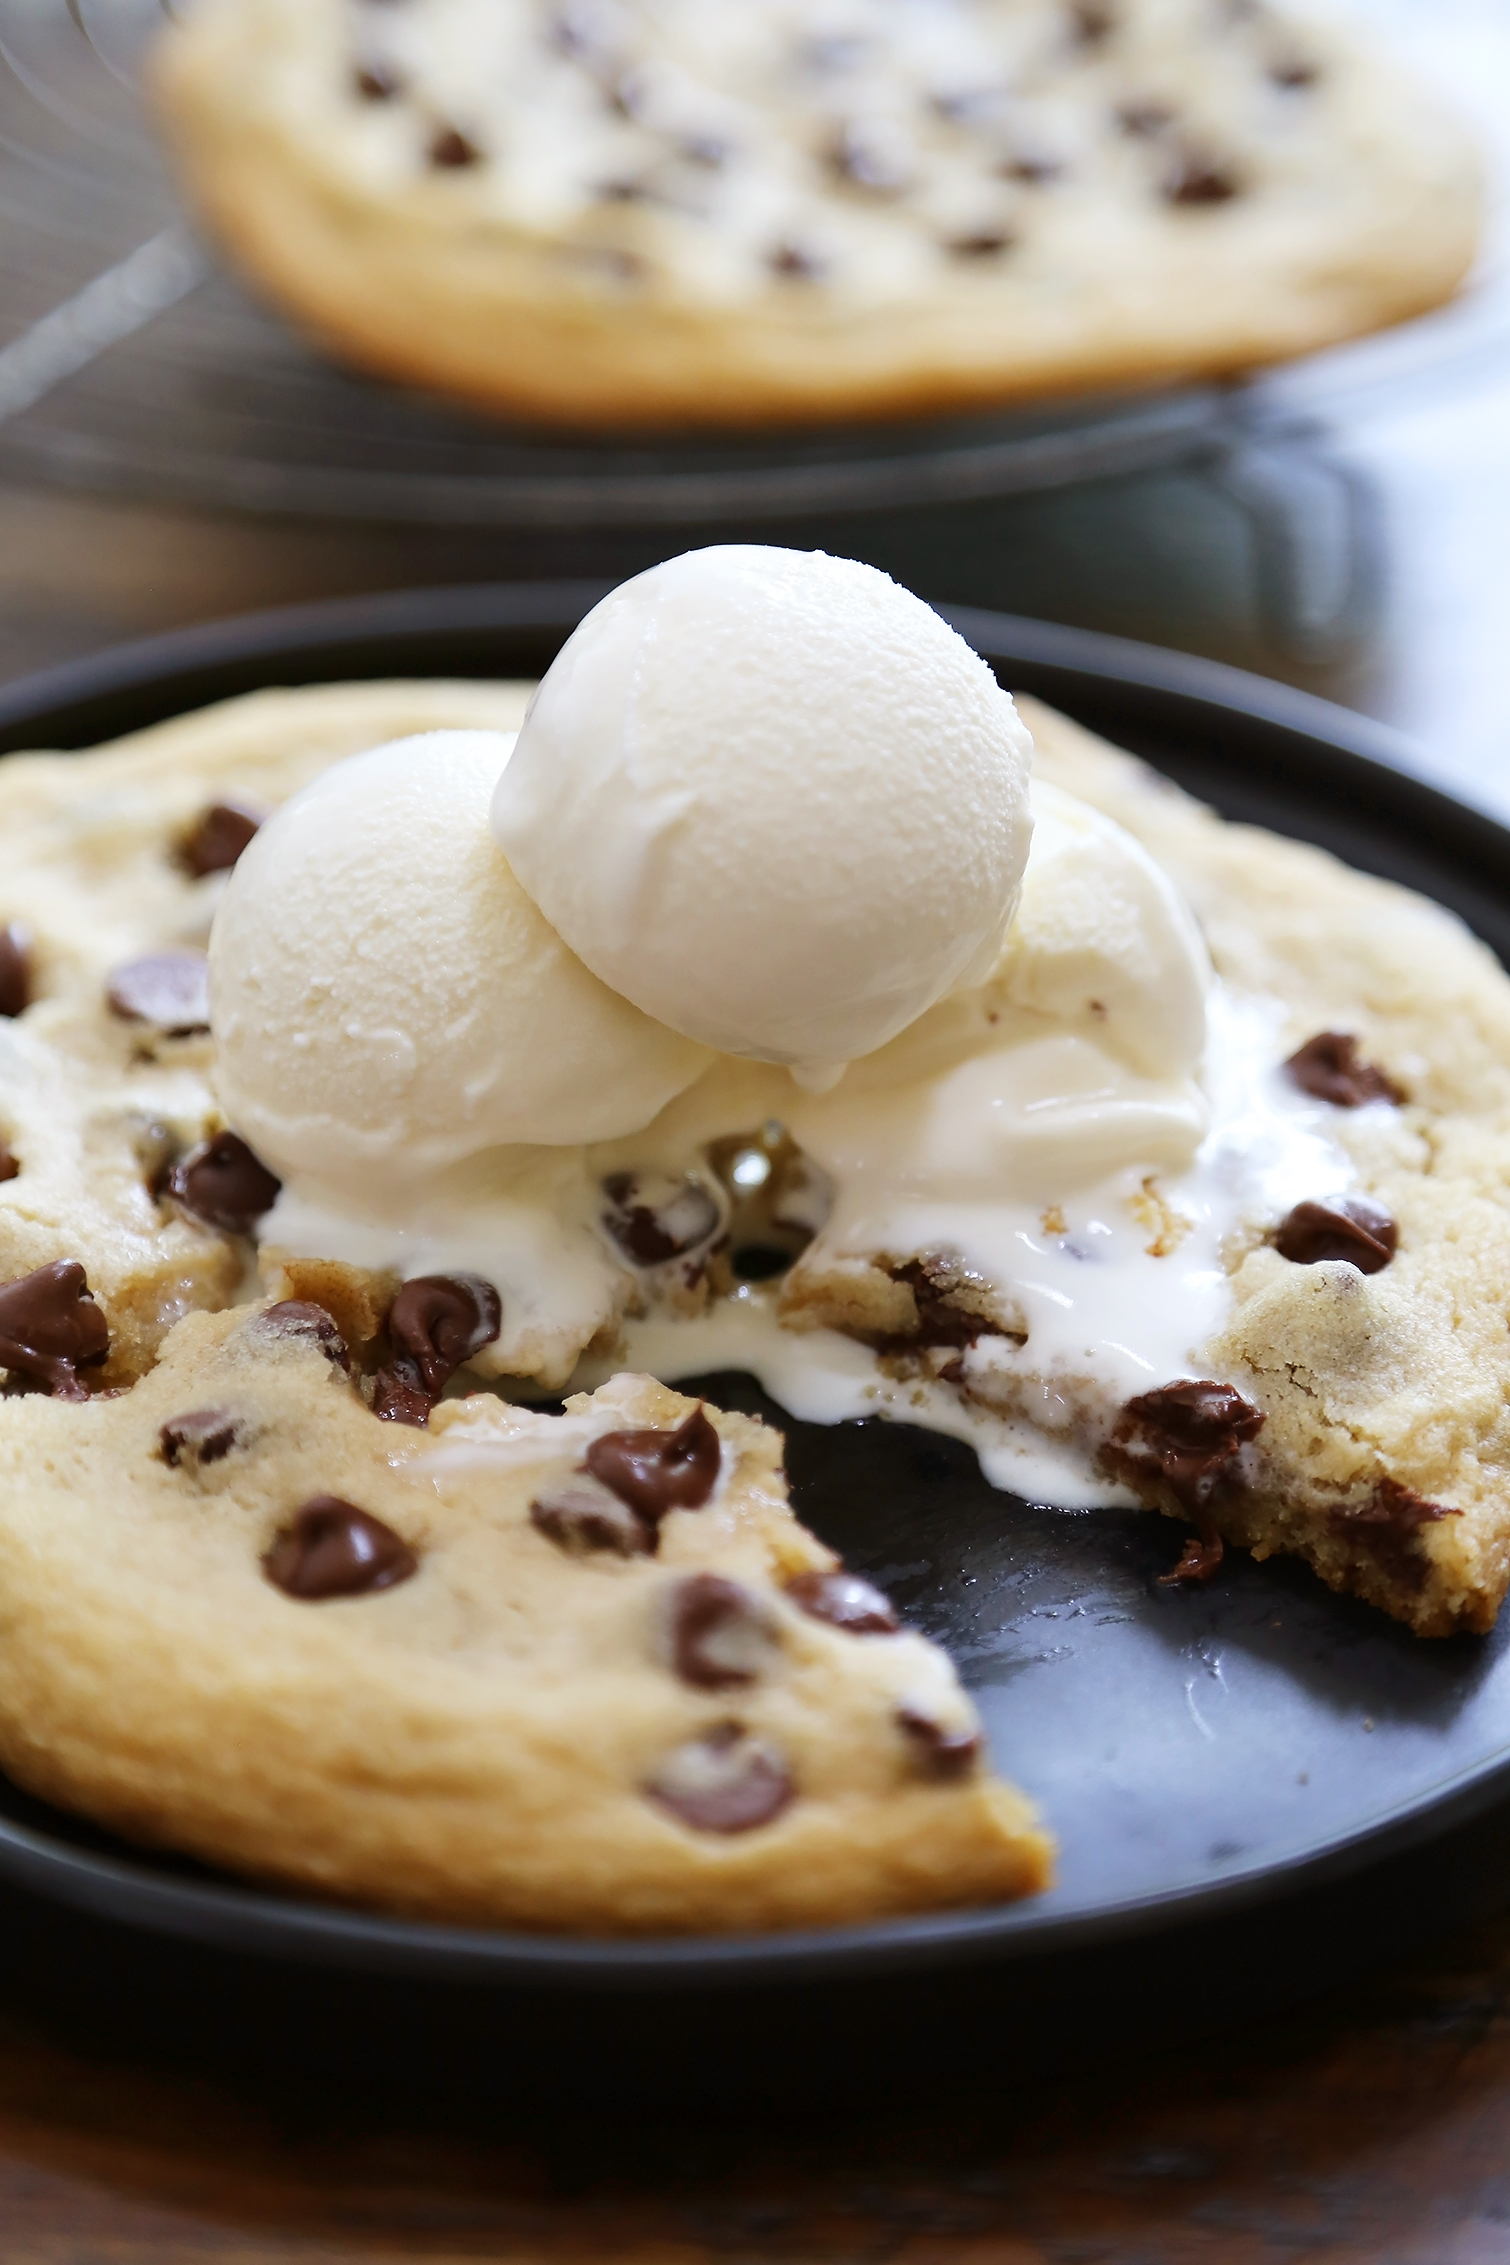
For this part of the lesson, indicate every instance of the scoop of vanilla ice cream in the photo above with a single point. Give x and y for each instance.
(774, 800)
(385, 997)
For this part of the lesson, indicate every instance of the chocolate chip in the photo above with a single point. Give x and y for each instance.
(1027, 167)
(222, 1183)
(984, 244)
(582, 1515)
(657, 1471)
(869, 158)
(725, 1781)
(300, 1318)
(1328, 1068)
(845, 1601)
(9, 1164)
(202, 1436)
(398, 1397)
(717, 1633)
(1144, 120)
(653, 1218)
(1294, 71)
(1091, 22)
(217, 837)
(1385, 1528)
(947, 1750)
(1197, 180)
(50, 1328)
(333, 1549)
(1352, 1228)
(450, 150)
(1183, 1440)
(15, 969)
(171, 989)
(797, 263)
(376, 82)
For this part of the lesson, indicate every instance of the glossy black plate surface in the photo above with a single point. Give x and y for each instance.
(1256, 1781)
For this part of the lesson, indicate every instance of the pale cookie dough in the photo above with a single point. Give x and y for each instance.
(513, 1732)
(606, 213)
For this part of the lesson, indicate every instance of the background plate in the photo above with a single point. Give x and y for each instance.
(1257, 1786)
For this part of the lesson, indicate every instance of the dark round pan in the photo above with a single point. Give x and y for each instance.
(1259, 1788)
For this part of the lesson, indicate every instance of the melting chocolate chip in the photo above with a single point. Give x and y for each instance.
(436, 1322)
(1197, 180)
(202, 1436)
(15, 969)
(1352, 1228)
(9, 1163)
(1144, 120)
(1385, 1527)
(941, 1319)
(301, 1318)
(985, 243)
(845, 1601)
(718, 1633)
(171, 989)
(658, 1471)
(778, 1199)
(222, 1183)
(946, 1750)
(582, 1515)
(653, 1219)
(1024, 166)
(798, 263)
(333, 1549)
(1184, 1439)
(1294, 71)
(450, 150)
(624, 192)
(725, 1781)
(218, 836)
(50, 1328)
(1327, 1067)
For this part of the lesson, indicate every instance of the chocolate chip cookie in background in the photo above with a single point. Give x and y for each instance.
(712, 216)
(112, 1151)
(498, 1721)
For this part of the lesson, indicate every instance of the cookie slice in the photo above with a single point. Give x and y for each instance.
(579, 1673)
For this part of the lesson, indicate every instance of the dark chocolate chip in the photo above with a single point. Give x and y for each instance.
(942, 1319)
(399, 1397)
(50, 1328)
(376, 82)
(985, 243)
(204, 1435)
(653, 1219)
(945, 1749)
(1385, 1528)
(725, 1781)
(1327, 1067)
(9, 1163)
(171, 989)
(718, 1633)
(1024, 166)
(1196, 180)
(1200, 1557)
(797, 263)
(333, 1549)
(15, 969)
(218, 837)
(1294, 71)
(1144, 120)
(624, 192)
(582, 1515)
(1091, 22)
(1183, 1440)
(222, 1183)
(1352, 1228)
(437, 1321)
(301, 1318)
(450, 150)
(657, 1471)
(845, 1601)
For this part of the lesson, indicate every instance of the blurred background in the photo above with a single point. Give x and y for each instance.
(169, 452)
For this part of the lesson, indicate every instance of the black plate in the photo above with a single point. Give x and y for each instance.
(1257, 1786)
